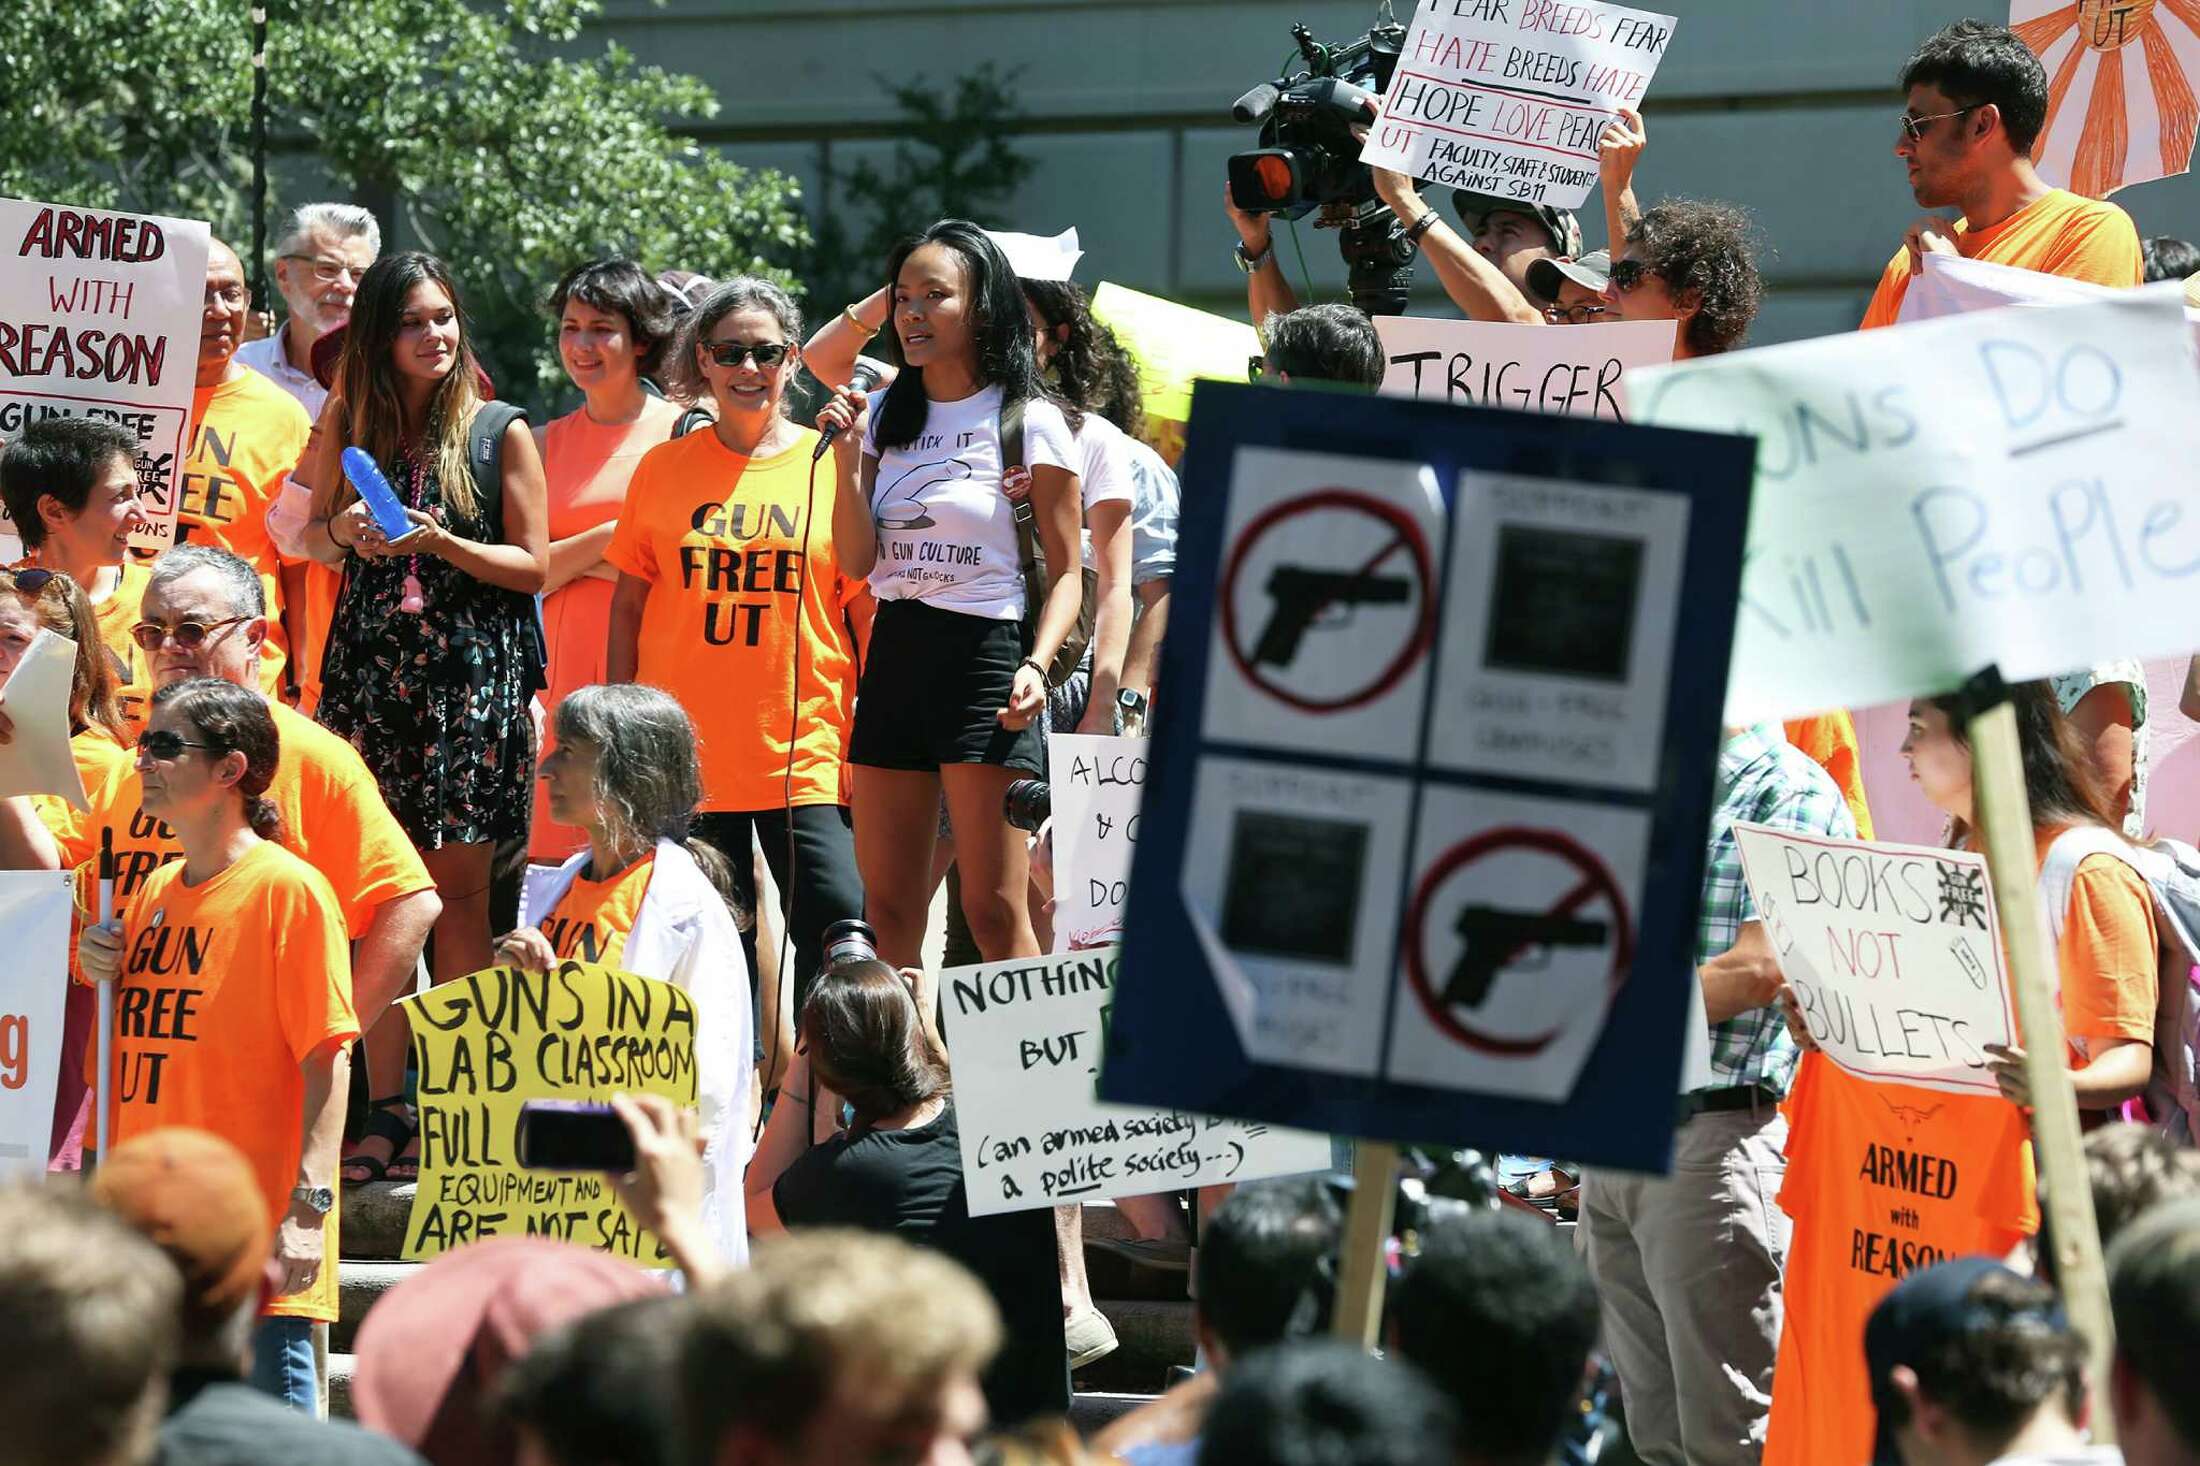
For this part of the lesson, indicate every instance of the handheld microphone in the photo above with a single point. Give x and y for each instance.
(366, 476)
(864, 378)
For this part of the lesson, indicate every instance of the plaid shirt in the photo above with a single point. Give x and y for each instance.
(1763, 780)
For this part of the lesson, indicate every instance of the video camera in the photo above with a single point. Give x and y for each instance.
(1309, 159)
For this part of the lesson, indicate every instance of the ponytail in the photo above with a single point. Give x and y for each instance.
(266, 820)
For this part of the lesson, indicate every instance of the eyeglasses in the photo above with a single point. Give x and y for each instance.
(167, 745)
(188, 635)
(328, 272)
(768, 354)
(1627, 274)
(1256, 367)
(1573, 315)
(1914, 127)
(229, 297)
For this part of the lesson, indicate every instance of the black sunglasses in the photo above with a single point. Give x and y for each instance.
(1627, 274)
(166, 744)
(32, 581)
(768, 354)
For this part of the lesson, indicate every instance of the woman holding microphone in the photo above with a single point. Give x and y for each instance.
(953, 685)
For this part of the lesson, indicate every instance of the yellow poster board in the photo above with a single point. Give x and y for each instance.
(1174, 345)
(487, 1044)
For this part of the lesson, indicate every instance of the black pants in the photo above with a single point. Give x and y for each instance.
(823, 887)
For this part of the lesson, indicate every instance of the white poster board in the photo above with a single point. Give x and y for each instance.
(2120, 108)
(1893, 950)
(37, 758)
(1509, 97)
(2011, 486)
(1024, 1040)
(1097, 783)
(99, 317)
(1570, 370)
(34, 915)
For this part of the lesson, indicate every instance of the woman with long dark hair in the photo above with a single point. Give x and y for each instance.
(435, 650)
(953, 686)
(2106, 938)
(732, 596)
(615, 331)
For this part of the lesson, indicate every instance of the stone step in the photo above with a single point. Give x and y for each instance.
(374, 1219)
(1151, 1336)
(359, 1285)
(340, 1368)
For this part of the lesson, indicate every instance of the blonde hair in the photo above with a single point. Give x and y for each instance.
(766, 1347)
(374, 418)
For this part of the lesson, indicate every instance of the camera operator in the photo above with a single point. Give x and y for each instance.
(1489, 271)
(898, 1168)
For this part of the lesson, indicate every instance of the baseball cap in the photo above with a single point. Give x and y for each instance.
(431, 1352)
(1592, 272)
(1923, 1311)
(194, 1196)
(1562, 226)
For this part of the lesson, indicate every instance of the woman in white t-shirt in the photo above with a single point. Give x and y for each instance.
(952, 690)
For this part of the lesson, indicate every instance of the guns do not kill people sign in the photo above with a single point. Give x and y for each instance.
(1509, 97)
(1424, 820)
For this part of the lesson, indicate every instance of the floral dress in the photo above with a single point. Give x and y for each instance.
(436, 699)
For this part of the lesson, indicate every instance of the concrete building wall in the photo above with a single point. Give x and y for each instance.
(1785, 106)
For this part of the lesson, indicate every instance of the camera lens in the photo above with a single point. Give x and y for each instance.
(1027, 804)
(851, 940)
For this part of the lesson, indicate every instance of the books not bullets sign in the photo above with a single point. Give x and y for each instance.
(1509, 97)
(1893, 952)
(1024, 1040)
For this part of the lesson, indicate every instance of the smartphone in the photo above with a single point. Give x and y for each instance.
(573, 1135)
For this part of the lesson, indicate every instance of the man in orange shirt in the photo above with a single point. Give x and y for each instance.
(246, 435)
(1977, 101)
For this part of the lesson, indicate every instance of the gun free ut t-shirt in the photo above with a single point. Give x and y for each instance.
(593, 919)
(226, 988)
(1882, 1180)
(946, 531)
(745, 596)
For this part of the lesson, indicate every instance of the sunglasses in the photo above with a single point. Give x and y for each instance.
(1627, 274)
(1913, 128)
(1573, 315)
(167, 745)
(768, 354)
(187, 635)
(31, 582)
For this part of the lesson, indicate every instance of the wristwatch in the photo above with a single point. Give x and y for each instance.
(1130, 710)
(318, 1199)
(1251, 263)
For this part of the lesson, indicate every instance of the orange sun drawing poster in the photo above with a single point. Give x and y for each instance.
(2120, 106)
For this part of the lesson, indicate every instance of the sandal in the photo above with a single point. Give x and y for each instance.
(389, 1119)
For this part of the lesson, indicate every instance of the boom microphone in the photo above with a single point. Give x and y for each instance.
(864, 378)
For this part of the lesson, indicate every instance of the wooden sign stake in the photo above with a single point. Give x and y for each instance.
(2066, 1193)
(1362, 1261)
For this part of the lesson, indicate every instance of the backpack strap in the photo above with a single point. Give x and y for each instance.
(1016, 483)
(485, 452)
(690, 420)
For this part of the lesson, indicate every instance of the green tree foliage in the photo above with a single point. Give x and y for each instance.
(497, 143)
(952, 159)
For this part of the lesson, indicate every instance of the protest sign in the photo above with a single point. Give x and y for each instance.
(99, 317)
(2121, 108)
(1024, 1039)
(1174, 345)
(1097, 784)
(2027, 502)
(1575, 371)
(487, 1044)
(1893, 950)
(34, 913)
(37, 758)
(1425, 814)
(1509, 97)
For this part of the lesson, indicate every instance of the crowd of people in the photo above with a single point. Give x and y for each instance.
(626, 673)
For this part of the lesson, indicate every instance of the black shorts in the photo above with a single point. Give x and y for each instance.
(931, 685)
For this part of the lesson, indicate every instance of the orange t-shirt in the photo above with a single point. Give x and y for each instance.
(226, 988)
(588, 466)
(721, 539)
(1830, 740)
(333, 817)
(116, 615)
(592, 919)
(1882, 1179)
(2058, 234)
(246, 436)
(2108, 959)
